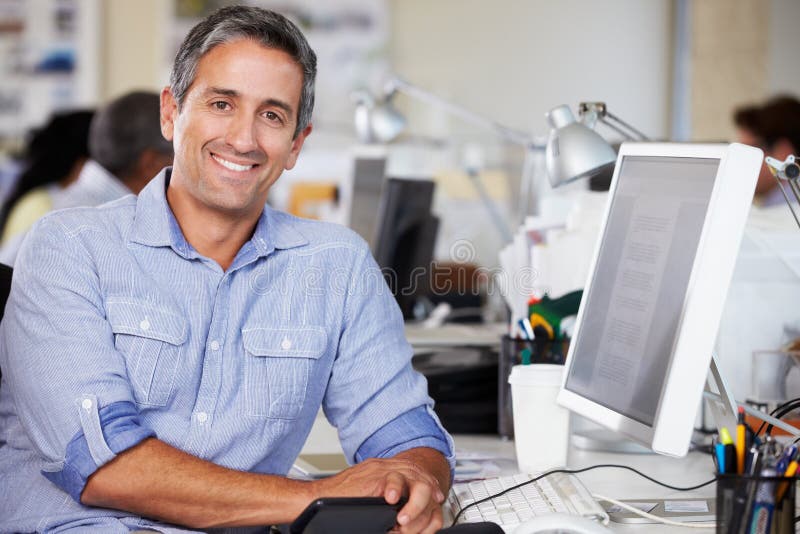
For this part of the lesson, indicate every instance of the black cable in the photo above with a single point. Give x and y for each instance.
(794, 403)
(575, 472)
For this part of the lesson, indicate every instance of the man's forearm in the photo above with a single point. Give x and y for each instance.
(433, 462)
(156, 480)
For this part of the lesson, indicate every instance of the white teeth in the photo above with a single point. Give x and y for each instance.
(231, 165)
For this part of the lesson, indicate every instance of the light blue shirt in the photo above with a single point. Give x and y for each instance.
(117, 330)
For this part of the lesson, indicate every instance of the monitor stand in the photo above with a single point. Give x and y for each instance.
(603, 441)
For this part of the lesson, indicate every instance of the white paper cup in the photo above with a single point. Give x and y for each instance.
(541, 426)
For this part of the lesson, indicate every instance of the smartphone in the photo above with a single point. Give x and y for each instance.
(354, 515)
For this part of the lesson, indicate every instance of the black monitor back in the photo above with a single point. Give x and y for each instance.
(404, 239)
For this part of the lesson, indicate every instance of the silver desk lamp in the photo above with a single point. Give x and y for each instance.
(377, 120)
(574, 149)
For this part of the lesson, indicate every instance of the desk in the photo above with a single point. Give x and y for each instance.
(454, 335)
(619, 484)
(614, 483)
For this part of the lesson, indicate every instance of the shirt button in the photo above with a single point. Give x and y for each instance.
(202, 417)
(145, 324)
(87, 404)
(286, 344)
(215, 345)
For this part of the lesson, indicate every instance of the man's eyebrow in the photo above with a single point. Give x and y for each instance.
(269, 102)
(221, 91)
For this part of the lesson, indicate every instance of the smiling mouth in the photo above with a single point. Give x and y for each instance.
(231, 165)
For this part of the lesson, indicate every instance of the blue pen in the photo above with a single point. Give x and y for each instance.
(786, 457)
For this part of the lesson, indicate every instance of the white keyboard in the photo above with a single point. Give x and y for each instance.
(556, 493)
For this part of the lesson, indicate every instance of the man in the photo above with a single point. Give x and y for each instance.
(164, 356)
(775, 128)
(126, 150)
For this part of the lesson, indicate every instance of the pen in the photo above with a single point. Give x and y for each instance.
(764, 504)
(791, 470)
(740, 442)
(725, 436)
(787, 456)
(719, 448)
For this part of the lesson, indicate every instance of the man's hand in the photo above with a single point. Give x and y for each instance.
(420, 474)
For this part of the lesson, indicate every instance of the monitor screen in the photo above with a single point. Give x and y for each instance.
(368, 172)
(648, 321)
(404, 239)
(640, 280)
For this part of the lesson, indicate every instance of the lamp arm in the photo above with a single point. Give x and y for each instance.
(505, 132)
(598, 111)
(622, 127)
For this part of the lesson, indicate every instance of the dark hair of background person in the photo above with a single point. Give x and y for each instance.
(123, 129)
(778, 118)
(51, 154)
(270, 29)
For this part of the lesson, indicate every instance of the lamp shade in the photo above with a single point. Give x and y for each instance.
(574, 150)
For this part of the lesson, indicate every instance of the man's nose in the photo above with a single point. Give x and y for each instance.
(241, 133)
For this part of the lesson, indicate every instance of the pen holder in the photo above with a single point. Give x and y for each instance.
(743, 501)
(542, 351)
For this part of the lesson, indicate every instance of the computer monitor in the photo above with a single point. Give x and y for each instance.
(369, 167)
(404, 239)
(648, 321)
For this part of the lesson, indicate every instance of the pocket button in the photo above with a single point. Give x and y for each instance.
(286, 344)
(144, 325)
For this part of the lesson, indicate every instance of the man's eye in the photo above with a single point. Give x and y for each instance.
(272, 116)
(221, 106)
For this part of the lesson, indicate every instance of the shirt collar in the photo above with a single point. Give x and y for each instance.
(155, 224)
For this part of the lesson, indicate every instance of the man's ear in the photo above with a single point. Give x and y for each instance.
(169, 113)
(297, 144)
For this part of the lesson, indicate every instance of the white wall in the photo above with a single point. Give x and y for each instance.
(513, 60)
(784, 47)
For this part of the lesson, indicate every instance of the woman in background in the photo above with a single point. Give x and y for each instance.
(52, 160)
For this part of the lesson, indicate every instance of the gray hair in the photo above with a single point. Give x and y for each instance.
(268, 28)
(125, 128)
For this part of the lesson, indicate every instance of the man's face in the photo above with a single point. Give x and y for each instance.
(233, 134)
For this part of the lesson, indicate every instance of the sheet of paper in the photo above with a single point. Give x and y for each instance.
(687, 507)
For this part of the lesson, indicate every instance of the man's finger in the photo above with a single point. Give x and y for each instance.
(421, 523)
(419, 499)
(394, 488)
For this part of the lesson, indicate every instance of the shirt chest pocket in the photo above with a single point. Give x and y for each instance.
(279, 363)
(150, 338)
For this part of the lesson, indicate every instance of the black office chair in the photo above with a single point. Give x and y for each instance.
(5, 288)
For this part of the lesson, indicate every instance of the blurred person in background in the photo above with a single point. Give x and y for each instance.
(126, 150)
(773, 127)
(52, 160)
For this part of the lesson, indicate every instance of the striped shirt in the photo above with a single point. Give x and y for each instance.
(117, 330)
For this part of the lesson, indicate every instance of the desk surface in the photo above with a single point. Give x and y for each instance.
(454, 335)
(615, 483)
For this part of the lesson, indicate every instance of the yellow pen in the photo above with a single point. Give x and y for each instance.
(789, 473)
(740, 442)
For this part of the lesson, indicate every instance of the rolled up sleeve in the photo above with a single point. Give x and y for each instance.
(68, 381)
(416, 428)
